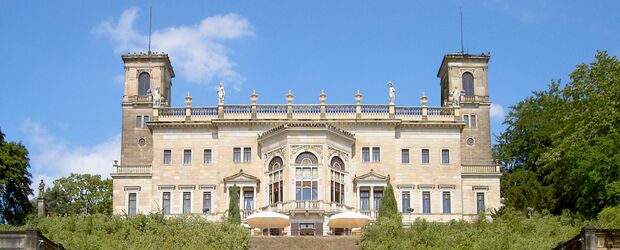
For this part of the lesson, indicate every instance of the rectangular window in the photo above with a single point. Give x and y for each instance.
(466, 120)
(206, 202)
(247, 154)
(426, 202)
(377, 200)
(236, 154)
(207, 156)
(473, 121)
(248, 200)
(145, 119)
(404, 155)
(446, 203)
(187, 157)
(166, 202)
(480, 202)
(365, 154)
(364, 200)
(138, 121)
(187, 202)
(445, 156)
(406, 201)
(167, 156)
(376, 154)
(426, 157)
(132, 204)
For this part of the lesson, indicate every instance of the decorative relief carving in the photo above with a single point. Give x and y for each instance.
(337, 152)
(318, 149)
(281, 151)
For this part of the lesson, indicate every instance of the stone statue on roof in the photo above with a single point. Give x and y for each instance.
(221, 94)
(392, 92)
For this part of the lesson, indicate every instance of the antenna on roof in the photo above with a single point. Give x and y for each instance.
(150, 22)
(462, 48)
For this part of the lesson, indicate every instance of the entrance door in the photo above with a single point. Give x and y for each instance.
(306, 229)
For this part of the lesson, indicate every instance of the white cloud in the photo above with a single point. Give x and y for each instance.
(196, 51)
(497, 111)
(51, 158)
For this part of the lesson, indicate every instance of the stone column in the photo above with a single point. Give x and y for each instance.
(242, 206)
(372, 198)
(254, 199)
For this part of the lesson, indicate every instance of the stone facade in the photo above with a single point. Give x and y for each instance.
(307, 161)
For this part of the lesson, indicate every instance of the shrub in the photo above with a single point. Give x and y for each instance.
(138, 232)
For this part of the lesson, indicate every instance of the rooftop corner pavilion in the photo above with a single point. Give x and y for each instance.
(306, 162)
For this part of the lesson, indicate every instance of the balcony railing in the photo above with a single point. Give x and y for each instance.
(480, 169)
(307, 111)
(318, 205)
(206, 111)
(470, 99)
(370, 213)
(172, 111)
(132, 169)
(308, 205)
(408, 111)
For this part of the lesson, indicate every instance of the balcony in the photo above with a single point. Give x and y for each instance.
(482, 169)
(131, 170)
(306, 112)
(298, 206)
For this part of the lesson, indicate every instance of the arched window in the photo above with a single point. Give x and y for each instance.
(306, 177)
(276, 181)
(337, 180)
(144, 84)
(275, 164)
(306, 158)
(337, 163)
(468, 84)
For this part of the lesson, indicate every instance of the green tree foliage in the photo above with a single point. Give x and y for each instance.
(80, 194)
(511, 229)
(138, 232)
(561, 148)
(15, 180)
(388, 209)
(234, 217)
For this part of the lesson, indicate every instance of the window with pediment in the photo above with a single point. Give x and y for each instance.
(276, 181)
(337, 180)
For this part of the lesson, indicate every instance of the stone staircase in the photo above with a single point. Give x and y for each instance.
(304, 242)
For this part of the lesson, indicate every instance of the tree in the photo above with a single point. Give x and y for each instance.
(15, 180)
(388, 209)
(561, 149)
(80, 194)
(233, 206)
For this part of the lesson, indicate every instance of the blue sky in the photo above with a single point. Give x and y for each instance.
(61, 67)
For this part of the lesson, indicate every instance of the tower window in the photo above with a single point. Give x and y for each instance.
(468, 84)
(144, 84)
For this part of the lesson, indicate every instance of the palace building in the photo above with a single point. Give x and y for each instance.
(307, 161)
